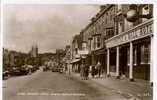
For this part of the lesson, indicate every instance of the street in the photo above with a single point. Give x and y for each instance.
(55, 86)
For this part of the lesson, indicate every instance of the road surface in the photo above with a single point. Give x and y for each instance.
(55, 86)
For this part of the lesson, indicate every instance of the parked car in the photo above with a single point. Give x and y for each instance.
(15, 71)
(60, 70)
(46, 68)
(6, 74)
(34, 68)
(30, 68)
(24, 70)
(54, 69)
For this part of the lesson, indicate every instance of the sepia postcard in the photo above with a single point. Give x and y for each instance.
(97, 51)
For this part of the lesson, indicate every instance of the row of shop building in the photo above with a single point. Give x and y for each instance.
(120, 37)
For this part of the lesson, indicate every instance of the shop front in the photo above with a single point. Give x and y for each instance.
(76, 65)
(129, 54)
(100, 56)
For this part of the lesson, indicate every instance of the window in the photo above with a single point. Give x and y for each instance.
(98, 42)
(76, 51)
(120, 27)
(145, 54)
(109, 32)
(135, 56)
(128, 56)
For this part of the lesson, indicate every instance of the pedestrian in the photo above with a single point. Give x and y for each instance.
(82, 70)
(69, 68)
(93, 71)
(86, 72)
(99, 69)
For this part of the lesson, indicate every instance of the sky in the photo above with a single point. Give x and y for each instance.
(49, 26)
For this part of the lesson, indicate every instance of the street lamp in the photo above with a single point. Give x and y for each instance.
(133, 14)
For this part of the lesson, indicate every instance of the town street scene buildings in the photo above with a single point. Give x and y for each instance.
(109, 58)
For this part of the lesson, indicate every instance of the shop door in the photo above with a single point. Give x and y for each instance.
(124, 62)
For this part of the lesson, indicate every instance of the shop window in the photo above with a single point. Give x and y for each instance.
(128, 56)
(145, 54)
(135, 56)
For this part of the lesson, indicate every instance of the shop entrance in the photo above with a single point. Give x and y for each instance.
(113, 61)
(123, 59)
(141, 61)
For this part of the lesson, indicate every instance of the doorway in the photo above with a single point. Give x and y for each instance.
(123, 61)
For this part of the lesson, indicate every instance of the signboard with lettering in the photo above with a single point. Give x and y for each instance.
(138, 32)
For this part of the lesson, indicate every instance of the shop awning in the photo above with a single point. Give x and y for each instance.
(99, 51)
(75, 60)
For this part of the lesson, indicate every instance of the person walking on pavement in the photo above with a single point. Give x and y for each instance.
(86, 72)
(99, 69)
(69, 68)
(93, 71)
(82, 70)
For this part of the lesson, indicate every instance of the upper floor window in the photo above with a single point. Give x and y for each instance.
(120, 27)
(98, 42)
(109, 32)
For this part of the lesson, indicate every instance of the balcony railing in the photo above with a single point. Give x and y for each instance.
(140, 31)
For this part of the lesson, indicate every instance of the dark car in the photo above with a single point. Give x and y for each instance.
(60, 70)
(24, 70)
(54, 69)
(15, 71)
(46, 68)
(6, 75)
(34, 68)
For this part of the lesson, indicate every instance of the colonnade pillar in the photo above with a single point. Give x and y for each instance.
(131, 62)
(117, 62)
(108, 62)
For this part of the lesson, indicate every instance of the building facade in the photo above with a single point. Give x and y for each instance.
(76, 46)
(13, 58)
(101, 28)
(132, 44)
(121, 38)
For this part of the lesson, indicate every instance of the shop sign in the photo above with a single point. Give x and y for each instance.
(131, 35)
(83, 52)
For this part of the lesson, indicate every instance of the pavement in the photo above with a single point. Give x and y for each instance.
(137, 90)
